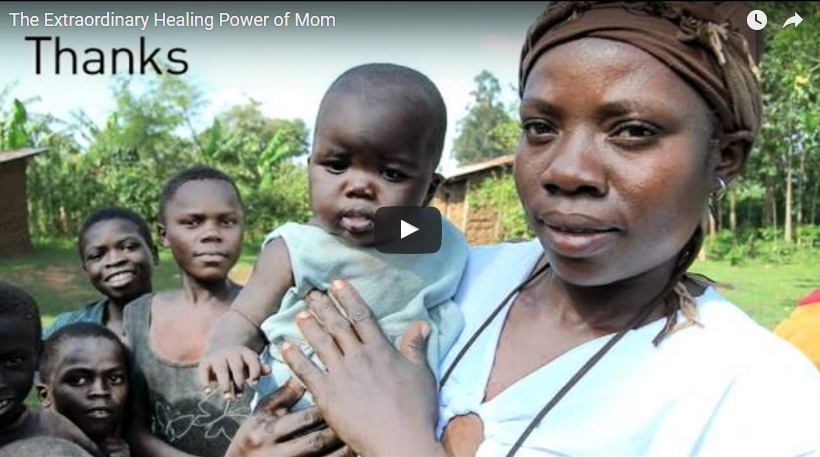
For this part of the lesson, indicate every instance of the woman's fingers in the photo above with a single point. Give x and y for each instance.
(319, 339)
(358, 312)
(302, 367)
(344, 451)
(413, 345)
(318, 443)
(281, 400)
(332, 322)
(297, 423)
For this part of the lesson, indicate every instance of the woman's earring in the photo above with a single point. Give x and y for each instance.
(718, 194)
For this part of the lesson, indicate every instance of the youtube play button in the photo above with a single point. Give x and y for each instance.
(407, 230)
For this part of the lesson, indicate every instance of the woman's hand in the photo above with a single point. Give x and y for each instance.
(272, 431)
(378, 400)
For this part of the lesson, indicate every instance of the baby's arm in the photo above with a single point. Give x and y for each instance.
(232, 351)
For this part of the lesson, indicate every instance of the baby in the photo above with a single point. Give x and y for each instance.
(20, 342)
(378, 139)
(84, 377)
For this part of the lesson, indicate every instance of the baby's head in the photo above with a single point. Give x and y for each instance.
(378, 140)
(118, 253)
(20, 334)
(84, 377)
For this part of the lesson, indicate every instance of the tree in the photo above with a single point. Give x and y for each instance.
(488, 130)
(257, 151)
(789, 139)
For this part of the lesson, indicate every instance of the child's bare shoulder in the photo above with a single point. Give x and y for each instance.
(274, 258)
(48, 423)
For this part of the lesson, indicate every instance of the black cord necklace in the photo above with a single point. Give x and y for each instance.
(636, 322)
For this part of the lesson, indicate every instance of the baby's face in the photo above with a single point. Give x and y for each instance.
(366, 156)
(18, 362)
(89, 385)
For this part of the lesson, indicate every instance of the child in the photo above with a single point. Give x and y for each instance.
(200, 220)
(118, 255)
(20, 340)
(84, 377)
(43, 446)
(379, 137)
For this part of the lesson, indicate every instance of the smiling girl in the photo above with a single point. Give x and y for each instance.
(119, 256)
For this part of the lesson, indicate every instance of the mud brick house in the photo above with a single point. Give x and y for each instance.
(479, 225)
(14, 235)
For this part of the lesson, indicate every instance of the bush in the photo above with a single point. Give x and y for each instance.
(499, 194)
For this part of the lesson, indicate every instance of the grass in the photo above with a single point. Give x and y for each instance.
(54, 277)
(767, 292)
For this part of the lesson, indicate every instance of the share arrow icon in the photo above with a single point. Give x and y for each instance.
(796, 20)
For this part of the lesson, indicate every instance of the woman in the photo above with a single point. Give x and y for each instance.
(592, 340)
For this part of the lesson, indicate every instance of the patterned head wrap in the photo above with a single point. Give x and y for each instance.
(707, 43)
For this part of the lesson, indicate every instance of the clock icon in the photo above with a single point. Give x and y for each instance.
(756, 20)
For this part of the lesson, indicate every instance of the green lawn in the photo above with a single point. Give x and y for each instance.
(54, 276)
(766, 292)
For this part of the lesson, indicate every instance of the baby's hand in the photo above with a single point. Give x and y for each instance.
(113, 447)
(231, 366)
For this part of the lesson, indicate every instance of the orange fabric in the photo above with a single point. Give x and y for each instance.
(802, 328)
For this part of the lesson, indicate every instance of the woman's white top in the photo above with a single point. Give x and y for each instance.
(731, 388)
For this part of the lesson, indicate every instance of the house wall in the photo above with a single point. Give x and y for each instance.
(14, 237)
(480, 226)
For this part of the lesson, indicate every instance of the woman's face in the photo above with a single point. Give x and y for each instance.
(616, 160)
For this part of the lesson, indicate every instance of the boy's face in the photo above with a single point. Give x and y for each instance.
(203, 228)
(366, 156)
(117, 259)
(88, 385)
(18, 362)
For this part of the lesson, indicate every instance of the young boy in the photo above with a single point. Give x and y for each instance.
(378, 140)
(84, 377)
(20, 333)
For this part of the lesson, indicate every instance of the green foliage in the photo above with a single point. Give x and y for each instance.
(13, 131)
(488, 130)
(148, 137)
(498, 193)
(763, 244)
(257, 152)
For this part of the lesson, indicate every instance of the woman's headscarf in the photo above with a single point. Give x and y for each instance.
(708, 44)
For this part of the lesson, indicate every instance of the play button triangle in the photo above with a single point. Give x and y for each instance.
(407, 229)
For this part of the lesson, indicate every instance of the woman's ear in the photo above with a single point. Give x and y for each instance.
(44, 395)
(435, 182)
(732, 150)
